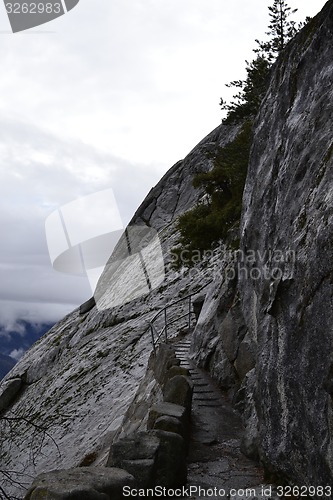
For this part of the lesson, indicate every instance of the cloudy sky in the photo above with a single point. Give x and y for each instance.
(108, 96)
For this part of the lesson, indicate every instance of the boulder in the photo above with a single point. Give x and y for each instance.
(156, 457)
(166, 409)
(88, 483)
(136, 454)
(176, 370)
(8, 392)
(171, 470)
(87, 306)
(162, 361)
(179, 390)
(169, 424)
(139, 446)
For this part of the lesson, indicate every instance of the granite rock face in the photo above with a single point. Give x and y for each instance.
(267, 337)
(287, 293)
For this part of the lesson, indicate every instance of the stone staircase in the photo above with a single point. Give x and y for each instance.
(215, 459)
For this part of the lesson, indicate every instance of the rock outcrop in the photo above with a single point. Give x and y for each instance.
(267, 337)
(288, 218)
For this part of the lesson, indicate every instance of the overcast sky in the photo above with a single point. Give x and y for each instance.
(108, 96)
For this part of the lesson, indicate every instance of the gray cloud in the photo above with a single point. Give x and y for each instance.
(38, 173)
(16, 354)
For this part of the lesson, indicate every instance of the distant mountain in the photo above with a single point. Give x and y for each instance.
(14, 343)
(6, 364)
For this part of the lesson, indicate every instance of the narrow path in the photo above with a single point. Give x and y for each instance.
(214, 458)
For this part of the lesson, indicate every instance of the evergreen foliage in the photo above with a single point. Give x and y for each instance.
(252, 90)
(211, 219)
(281, 29)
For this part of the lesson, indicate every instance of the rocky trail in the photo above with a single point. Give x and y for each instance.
(215, 459)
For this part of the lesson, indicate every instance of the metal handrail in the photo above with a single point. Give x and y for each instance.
(156, 336)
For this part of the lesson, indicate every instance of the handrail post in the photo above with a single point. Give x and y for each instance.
(151, 323)
(152, 336)
(165, 325)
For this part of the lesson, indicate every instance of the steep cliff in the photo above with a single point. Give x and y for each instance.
(288, 209)
(267, 337)
(79, 379)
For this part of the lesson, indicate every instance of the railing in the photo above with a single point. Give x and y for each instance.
(167, 322)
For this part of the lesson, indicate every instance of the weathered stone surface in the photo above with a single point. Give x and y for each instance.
(87, 306)
(87, 483)
(207, 346)
(164, 359)
(8, 392)
(137, 446)
(143, 470)
(171, 469)
(197, 305)
(245, 402)
(168, 409)
(288, 209)
(179, 390)
(169, 424)
(232, 331)
(246, 356)
(176, 370)
(41, 365)
(149, 392)
(156, 457)
(137, 454)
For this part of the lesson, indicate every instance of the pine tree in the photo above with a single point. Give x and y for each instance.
(252, 90)
(280, 30)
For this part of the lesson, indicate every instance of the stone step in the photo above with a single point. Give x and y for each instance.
(207, 402)
(210, 405)
(215, 435)
(205, 390)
